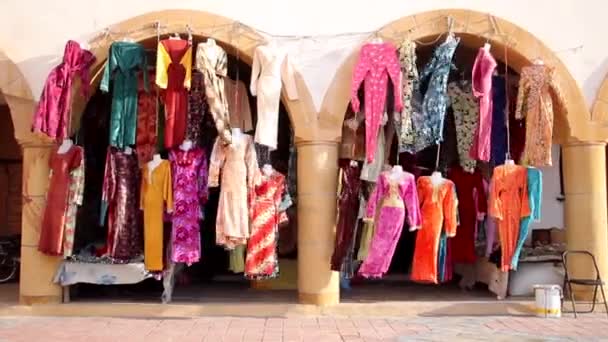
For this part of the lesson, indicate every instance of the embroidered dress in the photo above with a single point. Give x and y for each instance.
(197, 108)
(535, 103)
(261, 261)
(387, 208)
(509, 204)
(189, 173)
(52, 115)
(375, 64)
(466, 112)
(124, 61)
(75, 198)
(271, 67)
(439, 209)
(52, 231)
(409, 73)
(146, 122)
(348, 203)
(240, 173)
(434, 104)
(119, 200)
(156, 198)
(212, 61)
(173, 73)
(482, 89)
(535, 196)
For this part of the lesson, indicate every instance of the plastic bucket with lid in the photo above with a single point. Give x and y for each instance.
(548, 301)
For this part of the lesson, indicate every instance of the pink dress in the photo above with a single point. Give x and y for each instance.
(387, 206)
(482, 89)
(189, 172)
(52, 115)
(376, 63)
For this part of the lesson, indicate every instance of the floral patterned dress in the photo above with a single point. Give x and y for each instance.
(189, 173)
(409, 74)
(197, 107)
(466, 109)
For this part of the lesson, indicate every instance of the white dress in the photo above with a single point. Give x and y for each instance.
(271, 65)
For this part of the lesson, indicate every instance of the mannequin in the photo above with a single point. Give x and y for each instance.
(65, 146)
(487, 46)
(509, 162)
(153, 164)
(267, 169)
(237, 136)
(186, 145)
(396, 172)
(436, 178)
(211, 53)
(128, 150)
(84, 45)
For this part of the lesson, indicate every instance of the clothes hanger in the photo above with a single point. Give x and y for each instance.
(175, 36)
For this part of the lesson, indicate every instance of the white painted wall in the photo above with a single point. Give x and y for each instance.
(33, 32)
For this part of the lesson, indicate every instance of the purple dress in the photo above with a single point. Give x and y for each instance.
(52, 115)
(387, 207)
(189, 171)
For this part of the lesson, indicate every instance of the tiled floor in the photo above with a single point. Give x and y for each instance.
(320, 329)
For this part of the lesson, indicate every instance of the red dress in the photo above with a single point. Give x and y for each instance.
(52, 229)
(146, 123)
(173, 73)
(462, 246)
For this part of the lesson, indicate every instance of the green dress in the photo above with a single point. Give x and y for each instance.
(124, 61)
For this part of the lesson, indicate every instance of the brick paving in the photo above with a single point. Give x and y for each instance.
(317, 329)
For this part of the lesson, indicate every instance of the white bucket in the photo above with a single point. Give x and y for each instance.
(548, 301)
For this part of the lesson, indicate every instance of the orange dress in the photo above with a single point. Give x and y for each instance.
(439, 208)
(509, 204)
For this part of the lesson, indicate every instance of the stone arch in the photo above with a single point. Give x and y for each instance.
(203, 24)
(599, 111)
(572, 122)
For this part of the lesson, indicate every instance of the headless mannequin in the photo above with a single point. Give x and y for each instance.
(175, 36)
(396, 173)
(237, 136)
(267, 170)
(128, 150)
(186, 145)
(153, 164)
(436, 178)
(509, 162)
(65, 146)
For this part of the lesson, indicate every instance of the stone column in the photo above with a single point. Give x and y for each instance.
(37, 270)
(317, 187)
(584, 167)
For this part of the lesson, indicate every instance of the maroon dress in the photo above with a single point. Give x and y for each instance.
(52, 115)
(51, 232)
(348, 207)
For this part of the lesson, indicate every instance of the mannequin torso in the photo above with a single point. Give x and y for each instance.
(65, 146)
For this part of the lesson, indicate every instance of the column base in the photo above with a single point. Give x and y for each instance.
(319, 299)
(31, 300)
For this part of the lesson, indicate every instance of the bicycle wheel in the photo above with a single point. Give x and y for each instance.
(8, 269)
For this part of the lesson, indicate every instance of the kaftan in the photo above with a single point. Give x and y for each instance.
(509, 204)
(439, 209)
(156, 197)
(271, 67)
(535, 196)
(387, 208)
(409, 73)
(352, 145)
(146, 123)
(348, 203)
(173, 73)
(535, 103)
(375, 64)
(239, 109)
(197, 108)
(212, 61)
(119, 200)
(463, 244)
(261, 261)
(482, 89)
(75, 199)
(52, 115)
(123, 61)
(190, 193)
(499, 121)
(466, 111)
(240, 173)
(53, 226)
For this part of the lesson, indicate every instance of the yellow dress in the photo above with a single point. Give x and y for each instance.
(156, 190)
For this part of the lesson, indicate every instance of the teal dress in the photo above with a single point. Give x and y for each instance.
(124, 61)
(535, 192)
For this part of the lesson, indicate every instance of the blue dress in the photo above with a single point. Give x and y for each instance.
(499, 126)
(535, 194)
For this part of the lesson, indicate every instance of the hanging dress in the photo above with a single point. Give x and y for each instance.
(409, 73)
(52, 116)
(352, 145)
(535, 196)
(466, 111)
(463, 244)
(261, 261)
(189, 173)
(238, 105)
(146, 122)
(499, 121)
(348, 203)
(59, 199)
(156, 198)
(376, 63)
(75, 199)
(120, 202)
(428, 121)
(124, 61)
(197, 108)
(212, 61)
(439, 209)
(483, 67)
(240, 173)
(387, 208)
(509, 204)
(535, 103)
(173, 73)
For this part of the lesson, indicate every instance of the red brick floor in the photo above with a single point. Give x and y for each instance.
(316, 329)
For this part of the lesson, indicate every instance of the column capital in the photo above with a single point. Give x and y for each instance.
(34, 140)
